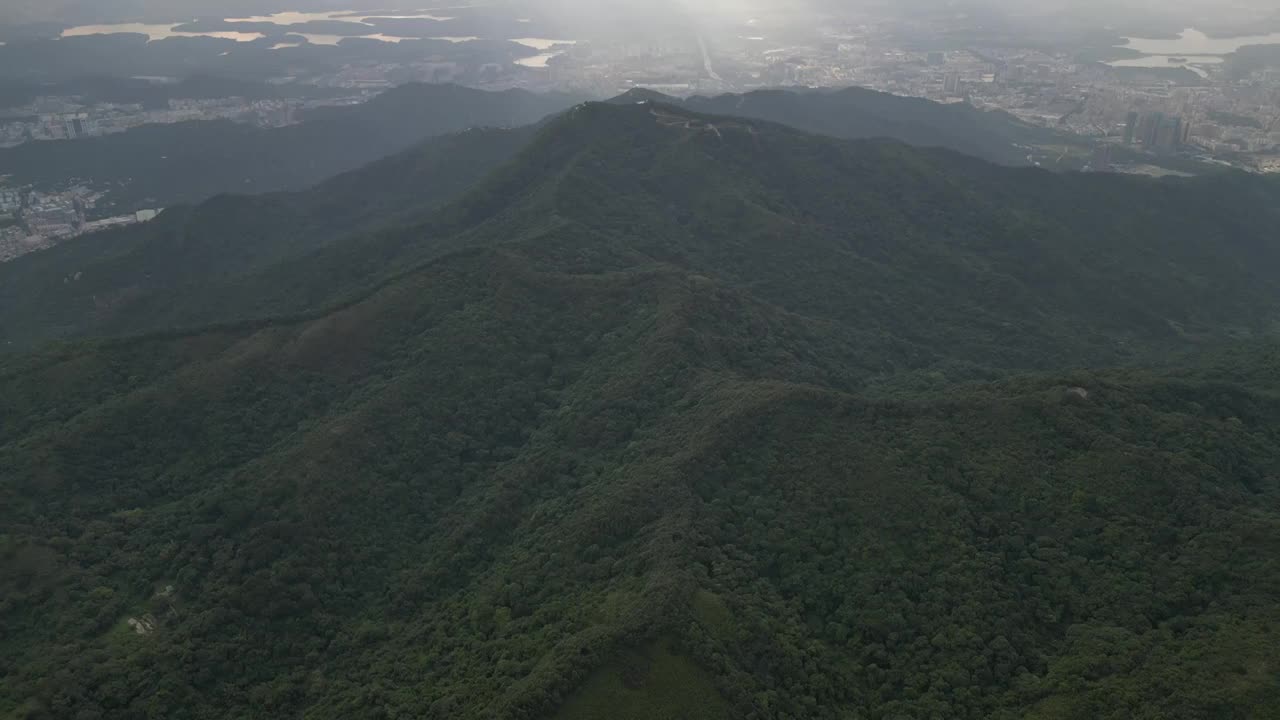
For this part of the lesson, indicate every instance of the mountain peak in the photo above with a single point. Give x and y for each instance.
(639, 95)
(646, 114)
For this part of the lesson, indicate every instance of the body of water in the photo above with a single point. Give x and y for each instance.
(1194, 42)
(1193, 63)
(542, 43)
(351, 16)
(545, 45)
(160, 32)
(155, 32)
(1196, 48)
(537, 61)
(323, 39)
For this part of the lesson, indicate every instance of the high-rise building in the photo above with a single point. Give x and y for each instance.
(1131, 128)
(1170, 135)
(1166, 135)
(1157, 131)
(937, 58)
(951, 84)
(1101, 159)
(1149, 129)
(70, 125)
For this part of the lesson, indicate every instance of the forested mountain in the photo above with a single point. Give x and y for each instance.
(678, 416)
(188, 249)
(163, 165)
(95, 285)
(1020, 264)
(860, 113)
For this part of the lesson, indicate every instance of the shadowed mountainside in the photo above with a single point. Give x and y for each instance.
(165, 165)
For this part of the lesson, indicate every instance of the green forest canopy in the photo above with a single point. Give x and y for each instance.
(687, 412)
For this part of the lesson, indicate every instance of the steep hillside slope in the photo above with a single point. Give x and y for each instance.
(461, 495)
(917, 250)
(94, 285)
(928, 257)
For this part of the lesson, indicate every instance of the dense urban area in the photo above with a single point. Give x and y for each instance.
(1177, 105)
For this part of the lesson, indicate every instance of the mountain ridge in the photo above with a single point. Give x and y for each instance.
(677, 411)
(862, 113)
(156, 163)
(1019, 212)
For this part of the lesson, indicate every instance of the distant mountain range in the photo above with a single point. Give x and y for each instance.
(188, 267)
(187, 249)
(856, 113)
(652, 413)
(163, 165)
(161, 273)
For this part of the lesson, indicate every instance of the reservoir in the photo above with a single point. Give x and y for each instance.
(1194, 42)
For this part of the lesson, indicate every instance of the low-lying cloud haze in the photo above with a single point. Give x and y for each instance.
(619, 11)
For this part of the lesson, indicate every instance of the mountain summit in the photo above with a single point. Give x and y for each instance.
(1008, 262)
(859, 113)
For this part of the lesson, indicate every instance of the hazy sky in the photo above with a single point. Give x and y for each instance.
(1160, 11)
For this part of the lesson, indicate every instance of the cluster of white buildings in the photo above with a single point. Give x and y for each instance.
(31, 220)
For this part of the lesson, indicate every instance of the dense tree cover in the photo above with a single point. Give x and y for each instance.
(1252, 58)
(104, 283)
(922, 257)
(734, 418)
(1030, 264)
(162, 165)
